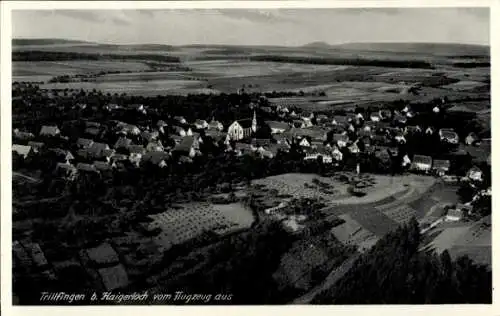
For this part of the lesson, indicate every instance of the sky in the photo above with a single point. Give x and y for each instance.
(281, 27)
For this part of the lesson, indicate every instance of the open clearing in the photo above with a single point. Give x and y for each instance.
(58, 68)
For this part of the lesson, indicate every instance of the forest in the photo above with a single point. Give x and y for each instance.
(394, 271)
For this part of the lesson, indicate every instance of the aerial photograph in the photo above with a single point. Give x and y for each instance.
(329, 156)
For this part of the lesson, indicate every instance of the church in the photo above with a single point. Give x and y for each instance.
(241, 129)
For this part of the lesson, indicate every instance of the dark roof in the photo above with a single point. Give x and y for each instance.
(86, 167)
(155, 157)
(245, 123)
(441, 164)
(49, 130)
(422, 159)
(185, 144)
(278, 125)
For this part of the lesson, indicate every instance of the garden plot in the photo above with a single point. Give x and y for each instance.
(193, 219)
(373, 220)
(301, 185)
(352, 233)
(401, 215)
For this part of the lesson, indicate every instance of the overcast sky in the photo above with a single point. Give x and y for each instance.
(257, 27)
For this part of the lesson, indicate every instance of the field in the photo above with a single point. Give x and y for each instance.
(193, 219)
(216, 69)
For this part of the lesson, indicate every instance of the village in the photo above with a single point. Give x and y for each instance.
(101, 143)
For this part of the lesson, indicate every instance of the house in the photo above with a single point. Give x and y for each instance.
(304, 142)
(137, 107)
(92, 131)
(85, 167)
(299, 124)
(154, 146)
(336, 153)
(471, 139)
(412, 129)
(161, 126)
(241, 129)
(441, 167)
(448, 135)
(364, 133)
(84, 143)
(354, 149)
(341, 120)
(314, 154)
(96, 149)
(123, 142)
(385, 114)
(157, 158)
(454, 215)
(107, 154)
(406, 161)
(281, 139)
(340, 140)
(215, 125)
(21, 150)
(475, 174)
(23, 135)
(380, 140)
(381, 152)
(370, 126)
(180, 119)
(400, 138)
(429, 130)
(136, 150)
(278, 127)
(103, 166)
(242, 149)
(360, 117)
(322, 119)
(62, 154)
(436, 109)
(306, 115)
(92, 124)
(128, 129)
(188, 146)
(179, 131)
(50, 131)
(317, 144)
(65, 171)
(260, 143)
(150, 136)
(375, 117)
(200, 124)
(421, 163)
(400, 119)
(176, 139)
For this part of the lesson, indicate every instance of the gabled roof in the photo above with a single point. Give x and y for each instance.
(441, 164)
(86, 167)
(422, 159)
(94, 131)
(123, 142)
(49, 130)
(278, 125)
(84, 142)
(257, 142)
(156, 157)
(341, 119)
(245, 123)
(242, 146)
(340, 137)
(102, 165)
(97, 148)
(149, 136)
(186, 144)
(21, 149)
(136, 149)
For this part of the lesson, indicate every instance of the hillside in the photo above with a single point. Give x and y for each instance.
(45, 41)
(444, 49)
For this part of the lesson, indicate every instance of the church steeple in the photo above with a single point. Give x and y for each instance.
(254, 122)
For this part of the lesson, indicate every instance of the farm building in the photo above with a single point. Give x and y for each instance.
(103, 254)
(278, 127)
(114, 277)
(241, 129)
(421, 163)
(200, 124)
(50, 131)
(475, 174)
(84, 143)
(448, 135)
(65, 171)
(158, 158)
(188, 146)
(471, 139)
(340, 140)
(21, 150)
(215, 125)
(441, 167)
(314, 154)
(454, 215)
(123, 142)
